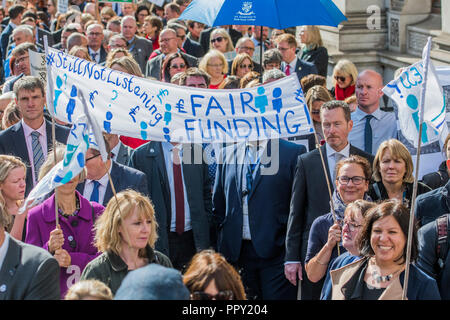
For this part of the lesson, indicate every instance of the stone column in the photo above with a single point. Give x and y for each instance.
(402, 13)
(441, 51)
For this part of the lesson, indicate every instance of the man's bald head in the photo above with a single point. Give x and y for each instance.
(368, 90)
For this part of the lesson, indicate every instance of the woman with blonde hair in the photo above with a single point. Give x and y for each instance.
(89, 290)
(125, 64)
(80, 52)
(393, 174)
(71, 240)
(210, 277)
(12, 192)
(220, 40)
(312, 48)
(344, 79)
(116, 54)
(215, 64)
(125, 234)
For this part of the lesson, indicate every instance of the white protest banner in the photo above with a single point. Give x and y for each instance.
(72, 164)
(405, 91)
(151, 110)
(37, 65)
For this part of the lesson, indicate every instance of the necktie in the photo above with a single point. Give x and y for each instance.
(368, 135)
(288, 71)
(210, 160)
(95, 191)
(250, 167)
(94, 56)
(38, 155)
(179, 192)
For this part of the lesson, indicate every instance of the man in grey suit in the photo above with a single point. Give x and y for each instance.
(27, 272)
(310, 197)
(139, 47)
(168, 45)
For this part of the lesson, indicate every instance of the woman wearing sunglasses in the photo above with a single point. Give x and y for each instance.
(173, 64)
(352, 182)
(242, 64)
(210, 277)
(344, 79)
(393, 174)
(315, 98)
(221, 40)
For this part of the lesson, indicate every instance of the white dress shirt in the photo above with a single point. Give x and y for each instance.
(89, 187)
(331, 157)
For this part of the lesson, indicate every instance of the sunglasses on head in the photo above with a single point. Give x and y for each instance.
(221, 295)
(339, 78)
(218, 39)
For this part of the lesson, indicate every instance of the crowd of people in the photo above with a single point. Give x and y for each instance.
(151, 223)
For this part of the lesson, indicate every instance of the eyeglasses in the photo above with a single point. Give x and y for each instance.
(356, 180)
(166, 40)
(243, 66)
(90, 158)
(21, 59)
(220, 65)
(175, 66)
(351, 226)
(339, 78)
(315, 111)
(96, 34)
(247, 48)
(221, 295)
(218, 39)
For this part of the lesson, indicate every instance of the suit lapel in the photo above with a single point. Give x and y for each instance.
(257, 178)
(239, 167)
(158, 154)
(116, 176)
(325, 159)
(12, 260)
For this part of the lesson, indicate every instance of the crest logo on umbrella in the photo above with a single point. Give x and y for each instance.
(246, 8)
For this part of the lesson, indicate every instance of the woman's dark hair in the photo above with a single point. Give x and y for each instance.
(139, 9)
(401, 214)
(165, 74)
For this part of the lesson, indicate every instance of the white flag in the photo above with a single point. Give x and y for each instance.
(406, 92)
(66, 169)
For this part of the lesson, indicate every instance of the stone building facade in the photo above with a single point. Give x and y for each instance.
(387, 34)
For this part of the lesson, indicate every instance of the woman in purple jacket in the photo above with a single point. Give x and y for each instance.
(70, 242)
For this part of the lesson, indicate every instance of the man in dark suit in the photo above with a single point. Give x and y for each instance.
(31, 139)
(139, 47)
(287, 44)
(191, 47)
(95, 37)
(168, 45)
(15, 14)
(27, 272)
(179, 192)
(155, 159)
(97, 186)
(310, 197)
(119, 152)
(251, 198)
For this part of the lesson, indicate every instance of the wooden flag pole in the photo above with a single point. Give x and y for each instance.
(414, 193)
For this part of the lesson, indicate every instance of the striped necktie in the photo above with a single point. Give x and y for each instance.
(38, 155)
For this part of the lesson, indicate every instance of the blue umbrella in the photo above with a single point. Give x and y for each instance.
(279, 14)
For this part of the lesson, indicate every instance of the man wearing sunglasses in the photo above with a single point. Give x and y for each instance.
(310, 197)
(372, 126)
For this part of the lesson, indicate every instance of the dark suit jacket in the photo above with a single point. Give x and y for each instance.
(124, 154)
(268, 201)
(4, 39)
(154, 65)
(302, 68)
(310, 199)
(12, 141)
(193, 48)
(103, 55)
(141, 49)
(319, 57)
(28, 273)
(149, 158)
(122, 177)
